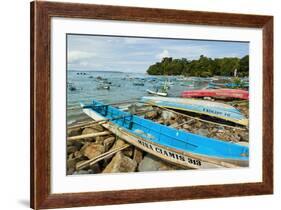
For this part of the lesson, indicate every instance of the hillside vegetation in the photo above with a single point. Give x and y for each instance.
(203, 67)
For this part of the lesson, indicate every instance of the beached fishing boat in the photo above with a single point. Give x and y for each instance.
(228, 85)
(217, 93)
(159, 93)
(175, 146)
(214, 109)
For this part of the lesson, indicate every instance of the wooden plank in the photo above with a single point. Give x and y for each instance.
(74, 138)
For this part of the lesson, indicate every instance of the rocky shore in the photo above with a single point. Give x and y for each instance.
(100, 151)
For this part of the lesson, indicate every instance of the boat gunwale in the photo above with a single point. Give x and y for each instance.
(190, 154)
(180, 140)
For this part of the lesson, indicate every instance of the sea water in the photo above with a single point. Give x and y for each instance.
(123, 87)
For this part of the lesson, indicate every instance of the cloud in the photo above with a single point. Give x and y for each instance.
(163, 54)
(77, 56)
(137, 54)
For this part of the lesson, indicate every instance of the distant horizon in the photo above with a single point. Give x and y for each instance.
(136, 54)
(89, 70)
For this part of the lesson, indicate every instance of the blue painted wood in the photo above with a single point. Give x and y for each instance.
(171, 137)
(208, 108)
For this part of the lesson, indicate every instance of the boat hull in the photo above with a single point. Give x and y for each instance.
(214, 109)
(156, 93)
(178, 157)
(217, 93)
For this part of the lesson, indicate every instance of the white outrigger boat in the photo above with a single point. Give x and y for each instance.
(156, 92)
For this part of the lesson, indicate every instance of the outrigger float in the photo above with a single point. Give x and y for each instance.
(176, 146)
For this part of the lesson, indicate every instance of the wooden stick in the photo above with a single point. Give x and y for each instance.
(189, 121)
(73, 138)
(185, 115)
(100, 157)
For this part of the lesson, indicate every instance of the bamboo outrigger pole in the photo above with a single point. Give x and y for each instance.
(90, 135)
(101, 157)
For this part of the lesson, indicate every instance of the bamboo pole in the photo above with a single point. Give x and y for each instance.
(189, 121)
(73, 138)
(100, 157)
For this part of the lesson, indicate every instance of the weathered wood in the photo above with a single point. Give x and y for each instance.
(100, 157)
(73, 138)
(189, 121)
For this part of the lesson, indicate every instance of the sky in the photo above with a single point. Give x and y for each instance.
(134, 54)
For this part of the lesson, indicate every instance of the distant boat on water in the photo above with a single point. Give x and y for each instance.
(159, 93)
(176, 146)
(214, 109)
(103, 86)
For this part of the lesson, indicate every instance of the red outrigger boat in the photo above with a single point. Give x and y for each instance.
(216, 93)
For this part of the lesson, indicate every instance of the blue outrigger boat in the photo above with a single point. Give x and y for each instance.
(175, 146)
(210, 108)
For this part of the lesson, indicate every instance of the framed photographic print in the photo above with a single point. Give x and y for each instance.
(139, 105)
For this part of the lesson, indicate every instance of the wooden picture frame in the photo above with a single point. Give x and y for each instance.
(41, 14)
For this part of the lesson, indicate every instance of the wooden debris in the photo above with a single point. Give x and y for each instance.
(74, 138)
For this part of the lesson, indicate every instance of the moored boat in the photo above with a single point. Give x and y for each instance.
(214, 109)
(159, 93)
(175, 146)
(217, 93)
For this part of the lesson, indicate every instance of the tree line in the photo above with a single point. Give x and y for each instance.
(202, 67)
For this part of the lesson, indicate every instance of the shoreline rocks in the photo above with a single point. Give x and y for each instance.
(120, 163)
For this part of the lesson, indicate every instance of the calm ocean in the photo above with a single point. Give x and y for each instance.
(123, 87)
